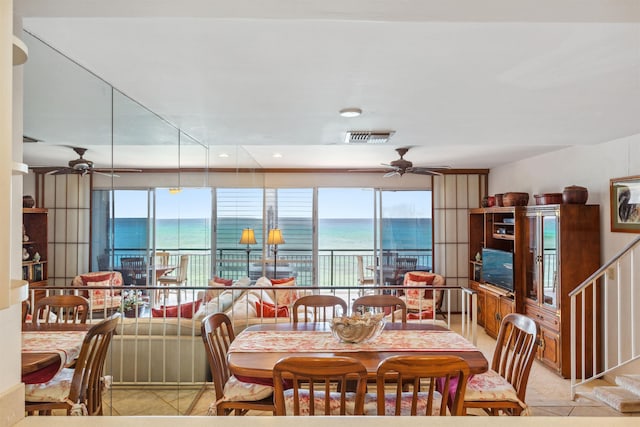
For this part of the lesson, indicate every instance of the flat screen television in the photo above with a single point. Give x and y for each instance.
(497, 268)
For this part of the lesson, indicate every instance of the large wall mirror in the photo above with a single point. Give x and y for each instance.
(149, 187)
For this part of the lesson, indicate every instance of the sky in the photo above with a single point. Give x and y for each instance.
(332, 203)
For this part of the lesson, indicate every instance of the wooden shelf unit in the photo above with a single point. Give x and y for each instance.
(35, 222)
(555, 248)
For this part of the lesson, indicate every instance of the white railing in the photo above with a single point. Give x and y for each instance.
(165, 351)
(609, 338)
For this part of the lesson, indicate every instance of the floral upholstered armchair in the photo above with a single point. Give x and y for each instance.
(422, 303)
(100, 299)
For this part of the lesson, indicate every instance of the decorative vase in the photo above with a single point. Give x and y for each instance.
(28, 201)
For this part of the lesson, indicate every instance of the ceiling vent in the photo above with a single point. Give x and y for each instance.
(368, 137)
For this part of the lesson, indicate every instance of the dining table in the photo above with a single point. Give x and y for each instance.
(49, 347)
(255, 350)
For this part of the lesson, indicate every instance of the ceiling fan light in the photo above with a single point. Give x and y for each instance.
(350, 112)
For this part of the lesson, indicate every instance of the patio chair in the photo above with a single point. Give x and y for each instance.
(408, 374)
(61, 309)
(232, 394)
(77, 390)
(321, 380)
(362, 279)
(318, 306)
(176, 281)
(134, 270)
(388, 303)
(502, 389)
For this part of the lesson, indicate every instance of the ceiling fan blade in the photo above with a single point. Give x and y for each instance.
(390, 174)
(60, 171)
(424, 171)
(116, 170)
(110, 175)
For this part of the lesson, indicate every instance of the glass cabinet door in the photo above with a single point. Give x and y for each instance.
(532, 266)
(549, 246)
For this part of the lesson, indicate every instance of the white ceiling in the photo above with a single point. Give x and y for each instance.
(466, 83)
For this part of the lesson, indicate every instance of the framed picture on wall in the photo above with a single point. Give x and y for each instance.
(625, 204)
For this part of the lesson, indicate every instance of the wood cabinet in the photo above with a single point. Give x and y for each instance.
(35, 248)
(561, 247)
(555, 248)
(497, 304)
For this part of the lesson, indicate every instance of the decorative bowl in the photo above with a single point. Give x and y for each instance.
(357, 328)
(548, 199)
(515, 199)
(575, 195)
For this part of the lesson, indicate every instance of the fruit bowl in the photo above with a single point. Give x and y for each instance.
(357, 328)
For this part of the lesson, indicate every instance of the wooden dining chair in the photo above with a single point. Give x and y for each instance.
(26, 307)
(232, 395)
(61, 309)
(322, 308)
(325, 381)
(502, 389)
(415, 379)
(78, 390)
(387, 303)
(161, 258)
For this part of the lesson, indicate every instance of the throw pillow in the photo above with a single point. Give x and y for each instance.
(286, 297)
(99, 293)
(265, 309)
(186, 310)
(93, 278)
(217, 282)
(418, 278)
(225, 282)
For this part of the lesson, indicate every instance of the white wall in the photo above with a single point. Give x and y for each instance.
(588, 166)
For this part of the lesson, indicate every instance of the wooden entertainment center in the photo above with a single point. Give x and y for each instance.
(555, 248)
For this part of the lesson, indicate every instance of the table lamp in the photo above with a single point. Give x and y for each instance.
(248, 237)
(275, 238)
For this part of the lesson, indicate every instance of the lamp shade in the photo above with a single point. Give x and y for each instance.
(248, 237)
(275, 237)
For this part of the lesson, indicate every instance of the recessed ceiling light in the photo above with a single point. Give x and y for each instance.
(277, 155)
(350, 112)
(224, 155)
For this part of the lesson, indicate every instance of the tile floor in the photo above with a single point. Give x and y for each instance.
(547, 395)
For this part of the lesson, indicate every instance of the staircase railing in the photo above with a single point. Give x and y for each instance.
(611, 288)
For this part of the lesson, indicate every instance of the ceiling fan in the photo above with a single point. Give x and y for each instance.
(401, 166)
(82, 166)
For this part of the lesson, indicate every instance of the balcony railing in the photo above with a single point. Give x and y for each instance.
(335, 267)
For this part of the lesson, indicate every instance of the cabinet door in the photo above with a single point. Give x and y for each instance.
(532, 258)
(549, 252)
(548, 352)
(491, 314)
(481, 307)
(506, 307)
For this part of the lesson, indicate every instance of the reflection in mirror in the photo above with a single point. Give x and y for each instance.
(141, 156)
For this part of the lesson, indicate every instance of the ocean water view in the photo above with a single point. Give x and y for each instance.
(341, 234)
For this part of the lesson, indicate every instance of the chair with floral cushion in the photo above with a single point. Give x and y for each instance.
(61, 309)
(414, 380)
(232, 394)
(326, 381)
(78, 390)
(502, 389)
(423, 303)
(388, 303)
(100, 299)
(318, 308)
